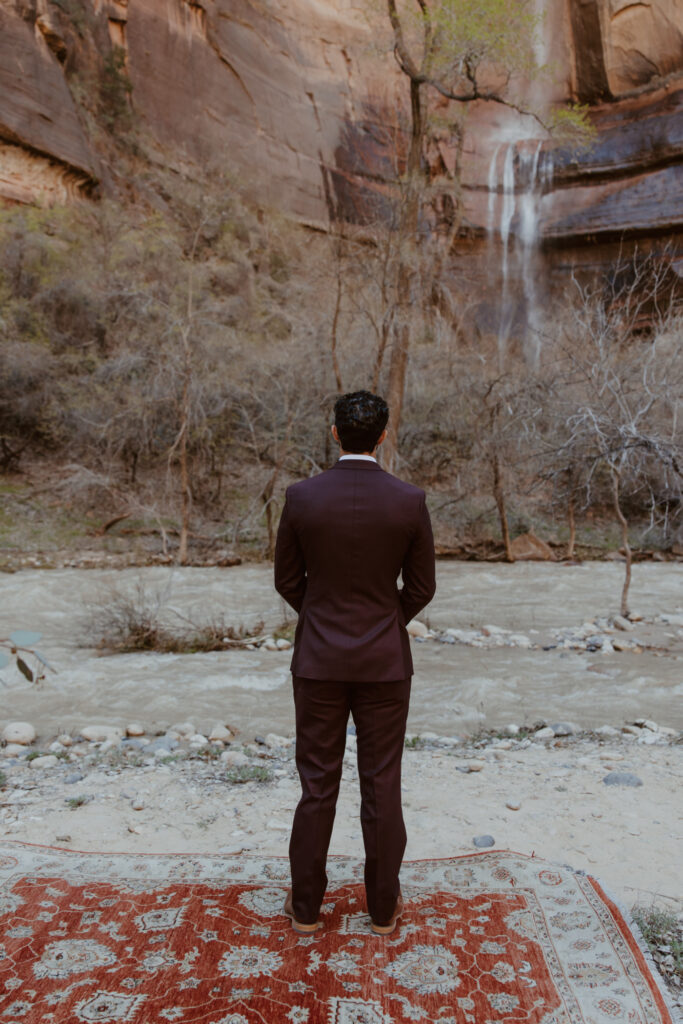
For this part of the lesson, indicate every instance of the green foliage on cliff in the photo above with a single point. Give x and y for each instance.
(115, 90)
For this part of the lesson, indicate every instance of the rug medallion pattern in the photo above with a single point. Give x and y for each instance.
(489, 938)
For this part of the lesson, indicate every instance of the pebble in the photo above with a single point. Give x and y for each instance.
(484, 841)
(270, 644)
(621, 623)
(520, 640)
(671, 620)
(605, 755)
(13, 750)
(221, 732)
(62, 839)
(475, 765)
(631, 730)
(101, 733)
(234, 758)
(622, 779)
(183, 729)
(622, 645)
(547, 733)
(198, 740)
(138, 804)
(646, 723)
(19, 732)
(511, 730)
(74, 777)
(563, 729)
(134, 729)
(275, 742)
(166, 743)
(607, 730)
(45, 761)
(417, 628)
(64, 739)
(513, 805)
(283, 644)
(648, 738)
(56, 747)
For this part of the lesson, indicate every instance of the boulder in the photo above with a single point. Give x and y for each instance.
(530, 548)
(19, 732)
(101, 733)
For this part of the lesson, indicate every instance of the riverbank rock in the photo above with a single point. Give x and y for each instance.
(45, 761)
(622, 779)
(234, 759)
(483, 841)
(12, 750)
(19, 732)
(135, 729)
(546, 733)
(101, 733)
(185, 729)
(417, 628)
(530, 548)
(221, 732)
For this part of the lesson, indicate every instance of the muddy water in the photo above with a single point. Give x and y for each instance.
(456, 688)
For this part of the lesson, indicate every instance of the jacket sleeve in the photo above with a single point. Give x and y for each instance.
(418, 569)
(290, 566)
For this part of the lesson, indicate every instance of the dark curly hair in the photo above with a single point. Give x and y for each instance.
(360, 417)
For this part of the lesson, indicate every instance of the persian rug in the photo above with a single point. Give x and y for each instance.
(489, 938)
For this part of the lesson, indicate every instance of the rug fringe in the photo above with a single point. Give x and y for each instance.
(634, 928)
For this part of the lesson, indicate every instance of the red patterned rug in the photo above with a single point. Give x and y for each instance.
(491, 938)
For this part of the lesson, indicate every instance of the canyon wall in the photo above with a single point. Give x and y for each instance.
(302, 101)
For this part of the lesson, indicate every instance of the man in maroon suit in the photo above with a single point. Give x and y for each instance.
(344, 538)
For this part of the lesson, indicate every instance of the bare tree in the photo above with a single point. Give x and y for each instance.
(616, 385)
(460, 52)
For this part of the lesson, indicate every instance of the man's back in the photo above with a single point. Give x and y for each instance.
(344, 537)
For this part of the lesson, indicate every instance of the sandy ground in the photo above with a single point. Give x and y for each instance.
(630, 838)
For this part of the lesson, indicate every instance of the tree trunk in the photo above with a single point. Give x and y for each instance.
(624, 538)
(500, 503)
(572, 526)
(400, 349)
(333, 333)
(184, 495)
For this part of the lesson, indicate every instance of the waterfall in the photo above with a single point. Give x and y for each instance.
(527, 175)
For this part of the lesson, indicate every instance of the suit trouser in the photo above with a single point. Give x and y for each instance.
(379, 711)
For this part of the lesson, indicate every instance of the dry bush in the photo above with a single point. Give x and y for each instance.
(123, 622)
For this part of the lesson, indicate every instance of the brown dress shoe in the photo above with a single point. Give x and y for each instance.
(386, 929)
(298, 926)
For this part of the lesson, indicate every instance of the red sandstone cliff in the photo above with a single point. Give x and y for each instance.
(297, 99)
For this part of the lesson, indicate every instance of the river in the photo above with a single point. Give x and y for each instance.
(456, 688)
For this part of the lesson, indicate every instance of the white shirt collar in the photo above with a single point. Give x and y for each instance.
(368, 458)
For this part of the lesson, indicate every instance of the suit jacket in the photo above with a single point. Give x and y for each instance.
(344, 537)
